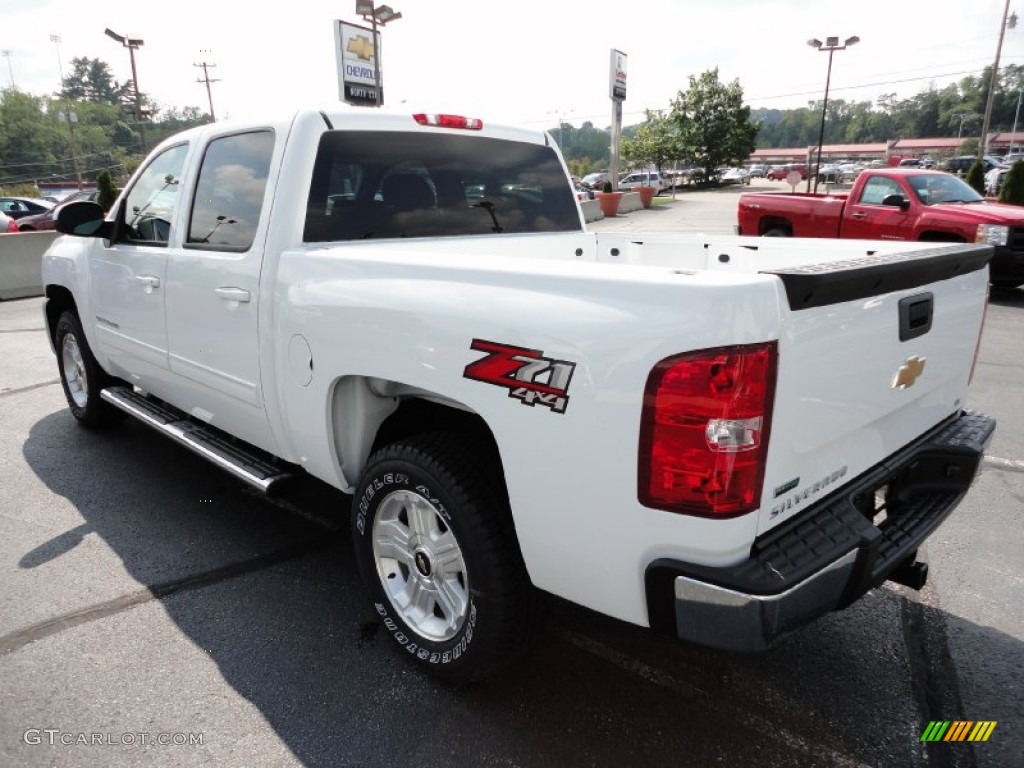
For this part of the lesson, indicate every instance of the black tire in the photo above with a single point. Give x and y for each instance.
(477, 606)
(776, 232)
(82, 384)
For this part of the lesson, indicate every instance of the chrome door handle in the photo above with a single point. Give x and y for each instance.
(858, 215)
(228, 293)
(149, 282)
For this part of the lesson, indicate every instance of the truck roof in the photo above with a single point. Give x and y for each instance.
(355, 118)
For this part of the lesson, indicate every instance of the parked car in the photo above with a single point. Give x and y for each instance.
(582, 191)
(910, 162)
(736, 176)
(849, 171)
(757, 171)
(963, 163)
(644, 179)
(596, 180)
(994, 180)
(780, 172)
(8, 226)
(47, 219)
(16, 207)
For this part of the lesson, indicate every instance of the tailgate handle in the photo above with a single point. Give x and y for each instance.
(916, 315)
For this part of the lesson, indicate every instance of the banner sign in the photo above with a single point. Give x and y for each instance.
(357, 64)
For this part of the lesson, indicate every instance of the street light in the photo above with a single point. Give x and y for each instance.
(55, 39)
(7, 55)
(558, 114)
(831, 45)
(961, 116)
(1009, 22)
(377, 16)
(132, 44)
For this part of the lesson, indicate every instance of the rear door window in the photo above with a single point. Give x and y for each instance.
(375, 185)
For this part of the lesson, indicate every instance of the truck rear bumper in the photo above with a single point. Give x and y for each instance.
(830, 555)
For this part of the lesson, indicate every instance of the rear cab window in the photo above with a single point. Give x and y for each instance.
(376, 185)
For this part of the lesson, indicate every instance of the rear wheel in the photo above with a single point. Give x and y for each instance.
(435, 544)
(81, 376)
(776, 232)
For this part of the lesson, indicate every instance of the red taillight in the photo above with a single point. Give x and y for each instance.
(704, 430)
(12, 226)
(449, 121)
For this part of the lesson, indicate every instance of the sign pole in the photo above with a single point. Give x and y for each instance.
(617, 91)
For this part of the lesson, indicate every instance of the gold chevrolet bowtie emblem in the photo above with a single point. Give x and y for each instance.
(908, 373)
(361, 47)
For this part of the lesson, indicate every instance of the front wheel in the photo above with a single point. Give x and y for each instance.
(436, 547)
(81, 376)
(776, 232)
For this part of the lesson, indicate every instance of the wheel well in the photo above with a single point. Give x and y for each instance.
(368, 414)
(774, 222)
(940, 237)
(58, 301)
(417, 416)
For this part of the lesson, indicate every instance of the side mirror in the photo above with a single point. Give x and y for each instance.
(85, 219)
(896, 201)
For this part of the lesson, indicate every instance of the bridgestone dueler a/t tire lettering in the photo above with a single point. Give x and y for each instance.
(446, 576)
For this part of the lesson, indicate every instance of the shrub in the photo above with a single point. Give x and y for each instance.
(107, 192)
(976, 177)
(1012, 190)
(607, 187)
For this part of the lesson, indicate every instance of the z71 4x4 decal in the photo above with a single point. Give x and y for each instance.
(526, 373)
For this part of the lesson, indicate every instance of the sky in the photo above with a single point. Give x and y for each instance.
(530, 62)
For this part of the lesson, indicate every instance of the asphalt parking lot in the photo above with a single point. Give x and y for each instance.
(147, 596)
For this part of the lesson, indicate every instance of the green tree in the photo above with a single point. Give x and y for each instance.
(713, 125)
(655, 142)
(1012, 190)
(976, 177)
(92, 80)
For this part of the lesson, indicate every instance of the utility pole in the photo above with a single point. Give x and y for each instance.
(206, 79)
(1009, 22)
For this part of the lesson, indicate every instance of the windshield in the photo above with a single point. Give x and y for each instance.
(943, 188)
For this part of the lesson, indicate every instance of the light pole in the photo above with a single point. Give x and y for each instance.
(377, 16)
(55, 39)
(7, 55)
(1016, 115)
(831, 45)
(961, 116)
(558, 115)
(132, 44)
(1009, 22)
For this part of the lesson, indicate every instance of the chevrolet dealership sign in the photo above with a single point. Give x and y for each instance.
(357, 64)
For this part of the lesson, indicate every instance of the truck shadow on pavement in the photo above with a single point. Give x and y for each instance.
(273, 598)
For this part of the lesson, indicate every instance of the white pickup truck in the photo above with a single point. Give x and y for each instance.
(721, 438)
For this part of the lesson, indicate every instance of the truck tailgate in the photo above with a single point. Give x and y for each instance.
(873, 352)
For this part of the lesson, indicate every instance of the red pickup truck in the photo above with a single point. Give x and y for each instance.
(896, 204)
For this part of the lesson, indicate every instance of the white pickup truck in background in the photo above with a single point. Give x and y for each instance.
(721, 438)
